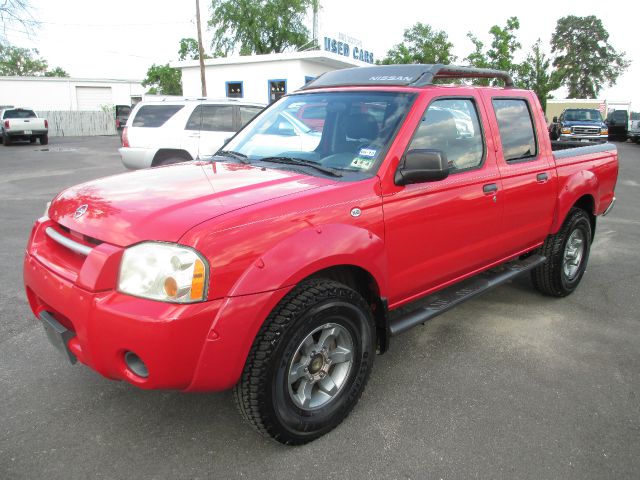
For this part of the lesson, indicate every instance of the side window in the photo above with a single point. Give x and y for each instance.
(452, 126)
(516, 129)
(247, 114)
(155, 115)
(211, 118)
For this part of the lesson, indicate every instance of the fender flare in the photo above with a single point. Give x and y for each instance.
(576, 186)
(311, 250)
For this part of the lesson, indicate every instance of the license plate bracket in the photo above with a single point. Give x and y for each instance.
(58, 335)
(28, 132)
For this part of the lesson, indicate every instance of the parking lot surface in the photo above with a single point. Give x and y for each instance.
(509, 385)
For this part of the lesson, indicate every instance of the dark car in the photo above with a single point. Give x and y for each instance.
(618, 122)
(579, 125)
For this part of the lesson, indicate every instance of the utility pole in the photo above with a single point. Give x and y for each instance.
(315, 7)
(203, 80)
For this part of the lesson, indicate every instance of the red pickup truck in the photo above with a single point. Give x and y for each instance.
(282, 273)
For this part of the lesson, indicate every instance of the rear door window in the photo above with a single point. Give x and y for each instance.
(212, 118)
(153, 116)
(515, 125)
(247, 114)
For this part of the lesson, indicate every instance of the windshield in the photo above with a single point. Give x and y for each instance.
(348, 132)
(583, 116)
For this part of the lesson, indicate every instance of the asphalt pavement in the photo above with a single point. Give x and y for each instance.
(510, 385)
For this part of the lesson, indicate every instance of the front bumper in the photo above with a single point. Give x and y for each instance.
(193, 347)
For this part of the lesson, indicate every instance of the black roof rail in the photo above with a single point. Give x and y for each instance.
(411, 75)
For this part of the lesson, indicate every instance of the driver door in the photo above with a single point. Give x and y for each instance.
(439, 231)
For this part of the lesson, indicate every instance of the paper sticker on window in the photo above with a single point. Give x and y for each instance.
(367, 152)
(362, 163)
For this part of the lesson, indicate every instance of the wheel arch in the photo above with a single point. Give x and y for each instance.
(165, 153)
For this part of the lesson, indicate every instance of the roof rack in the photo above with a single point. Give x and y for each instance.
(413, 75)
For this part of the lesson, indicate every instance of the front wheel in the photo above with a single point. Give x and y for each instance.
(309, 363)
(567, 254)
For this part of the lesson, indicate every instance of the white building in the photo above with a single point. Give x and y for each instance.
(68, 94)
(260, 78)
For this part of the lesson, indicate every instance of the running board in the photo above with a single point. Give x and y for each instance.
(437, 303)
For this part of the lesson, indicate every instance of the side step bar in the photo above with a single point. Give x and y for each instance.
(435, 304)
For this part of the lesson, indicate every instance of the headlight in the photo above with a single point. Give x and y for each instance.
(566, 129)
(604, 131)
(165, 272)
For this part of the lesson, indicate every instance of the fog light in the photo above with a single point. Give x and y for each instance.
(136, 365)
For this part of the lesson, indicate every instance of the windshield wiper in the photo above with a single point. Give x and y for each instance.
(241, 157)
(303, 163)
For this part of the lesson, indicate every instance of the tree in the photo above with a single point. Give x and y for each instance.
(422, 44)
(500, 55)
(584, 59)
(259, 26)
(535, 74)
(163, 80)
(189, 50)
(23, 62)
(16, 15)
(56, 72)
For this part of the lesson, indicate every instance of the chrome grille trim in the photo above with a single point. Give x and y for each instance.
(67, 242)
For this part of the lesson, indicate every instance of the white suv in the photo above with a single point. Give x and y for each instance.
(159, 133)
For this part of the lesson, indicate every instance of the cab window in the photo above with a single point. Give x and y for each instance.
(452, 126)
(516, 129)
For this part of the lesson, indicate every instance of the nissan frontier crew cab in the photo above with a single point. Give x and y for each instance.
(281, 272)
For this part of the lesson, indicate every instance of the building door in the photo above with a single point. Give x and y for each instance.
(93, 98)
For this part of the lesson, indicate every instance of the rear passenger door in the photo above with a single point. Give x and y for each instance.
(527, 170)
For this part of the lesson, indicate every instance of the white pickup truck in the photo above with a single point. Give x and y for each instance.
(23, 124)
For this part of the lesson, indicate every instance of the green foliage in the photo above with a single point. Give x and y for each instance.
(56, 72)
(23, 62)
(500, 55)
(259, 26)
(189, 50)
(422, 44)
(163, 80)
(584, 59)
(535, 74)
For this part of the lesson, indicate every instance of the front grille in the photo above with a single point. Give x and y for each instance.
(586, 130)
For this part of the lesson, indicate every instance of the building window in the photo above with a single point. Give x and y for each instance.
(277, 89)
(234, 89)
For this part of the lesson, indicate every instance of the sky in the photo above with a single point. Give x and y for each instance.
(121, 39)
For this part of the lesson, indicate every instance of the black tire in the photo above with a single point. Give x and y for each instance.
(169, 161)
(6, 140)
(44, 139)
(552, 278)
(264, 394)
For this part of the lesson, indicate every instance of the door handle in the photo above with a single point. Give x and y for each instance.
(542, 177)
(490, 188)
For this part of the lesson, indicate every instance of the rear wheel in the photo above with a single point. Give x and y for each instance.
(567, 254)
(309, 363)
(44, 139)
(6, 140)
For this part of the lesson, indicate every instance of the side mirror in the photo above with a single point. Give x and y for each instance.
(555, 119)
(422, 165)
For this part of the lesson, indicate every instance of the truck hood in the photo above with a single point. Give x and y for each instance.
(163, 203)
